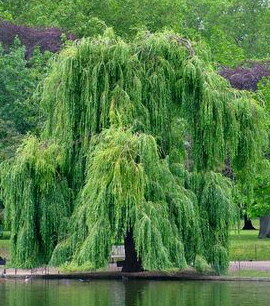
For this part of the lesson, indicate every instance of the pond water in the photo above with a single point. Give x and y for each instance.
(142, 293)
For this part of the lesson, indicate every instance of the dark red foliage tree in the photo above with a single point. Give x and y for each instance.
(246, 76)
(47, 39)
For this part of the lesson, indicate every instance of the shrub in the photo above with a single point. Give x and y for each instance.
(49, 39)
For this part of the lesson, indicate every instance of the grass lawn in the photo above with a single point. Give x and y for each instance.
(245, 245)
(4, 248)
(4, 245)
(249, 273)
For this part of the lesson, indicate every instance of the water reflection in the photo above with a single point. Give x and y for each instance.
(137, 293)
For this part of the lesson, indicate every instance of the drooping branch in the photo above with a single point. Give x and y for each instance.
(183, 41)
(114, 145)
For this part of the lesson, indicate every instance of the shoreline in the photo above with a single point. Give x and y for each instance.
(124, 276)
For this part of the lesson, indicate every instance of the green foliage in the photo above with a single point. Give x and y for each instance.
(136, 137)
(201, 265)
(86, 18)
(263, 91)
(239, 24)
(217, 211)
(234, 29)
(44, 203)
(224, 49)
(10, 139)
(19, 109)
(4, 14)
(260, 204)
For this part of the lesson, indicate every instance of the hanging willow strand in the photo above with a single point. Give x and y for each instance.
(136, 138)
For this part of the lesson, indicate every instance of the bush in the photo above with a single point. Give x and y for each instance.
(246, 77)
(46, 39)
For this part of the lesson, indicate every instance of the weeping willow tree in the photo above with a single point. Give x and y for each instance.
(136, 138)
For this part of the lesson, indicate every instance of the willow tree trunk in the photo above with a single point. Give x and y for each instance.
(132, 263)
(247, 223)
(264, 227)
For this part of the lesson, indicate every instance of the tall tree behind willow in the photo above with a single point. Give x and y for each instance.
(234, 29)
(133, 149)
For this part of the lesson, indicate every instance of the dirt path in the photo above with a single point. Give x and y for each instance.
(250, 265)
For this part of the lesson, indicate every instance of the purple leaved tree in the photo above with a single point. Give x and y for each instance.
(48, 39)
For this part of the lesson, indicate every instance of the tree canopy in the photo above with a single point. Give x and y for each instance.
(19, 109)
(234, 29)
(136, 138)
(254, 76)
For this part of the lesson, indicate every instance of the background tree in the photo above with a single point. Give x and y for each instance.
(254, 76)
(240, 25)
(19, 109)
(260, 207)
(235, 30)
(50, 39)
